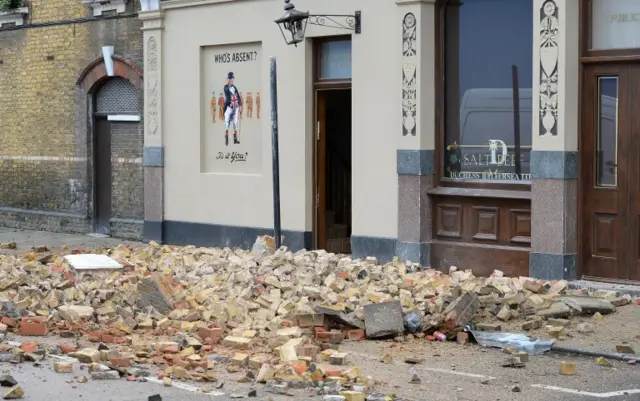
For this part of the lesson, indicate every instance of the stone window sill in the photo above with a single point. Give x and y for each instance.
(99, 7)
(14, 17)
(480, 193)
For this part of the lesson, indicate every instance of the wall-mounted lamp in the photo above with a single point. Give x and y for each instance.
(294, 22)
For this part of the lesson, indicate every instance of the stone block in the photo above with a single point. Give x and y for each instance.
(489, 327)
(383, 319)
(154, 292)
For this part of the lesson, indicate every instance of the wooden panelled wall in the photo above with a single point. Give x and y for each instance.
(482, 234)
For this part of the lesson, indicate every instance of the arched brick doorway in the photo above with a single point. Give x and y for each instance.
(115, 143)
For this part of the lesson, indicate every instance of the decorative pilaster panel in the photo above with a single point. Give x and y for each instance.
(409, 89)
(416, 143)
(153, 141)
(554, 157)
(548, 93)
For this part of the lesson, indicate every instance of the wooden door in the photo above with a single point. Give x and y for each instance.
(102, 174)
(320, 171)
(610, 174)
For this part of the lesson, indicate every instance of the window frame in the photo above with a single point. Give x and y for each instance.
(319, 82)
(586, 34)
(440, 114)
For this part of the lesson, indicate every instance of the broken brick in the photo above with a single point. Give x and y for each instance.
(215, 334)
(66, 349)
(356, 335)
(29, 347)
(333, 337)
(462, 338)
(33, 326)
(120, 363)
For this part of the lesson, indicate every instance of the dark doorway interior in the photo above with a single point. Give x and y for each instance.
(102, 185)
(338, 170)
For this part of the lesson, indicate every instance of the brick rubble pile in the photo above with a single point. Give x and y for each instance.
(277, 317)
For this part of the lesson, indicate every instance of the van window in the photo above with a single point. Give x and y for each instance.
(484, 40)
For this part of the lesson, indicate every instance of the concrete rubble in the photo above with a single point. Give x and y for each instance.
(272, 316)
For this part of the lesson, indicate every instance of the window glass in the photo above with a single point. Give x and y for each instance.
(335, 59)
(484, 40)
(615, 24)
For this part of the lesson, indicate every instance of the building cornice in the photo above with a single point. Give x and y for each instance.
(172, 4)
(98, 7)
(410, 2)
(15, 16)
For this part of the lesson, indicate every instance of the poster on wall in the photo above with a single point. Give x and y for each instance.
(232, 109)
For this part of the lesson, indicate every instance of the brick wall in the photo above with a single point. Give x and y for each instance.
(45, 152)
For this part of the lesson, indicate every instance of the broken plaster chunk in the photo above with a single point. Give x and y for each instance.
(62, 367)
(236, 342)
(108, 375)
(240, 359)
(290, 332)
(489, 327)
(338, 358)
(14, 393)
(88, 355)
(531, 325)
(558, 322)
(353, 395)
(625, 349)
(555, 332)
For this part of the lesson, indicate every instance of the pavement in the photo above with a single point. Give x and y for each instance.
(449, 371)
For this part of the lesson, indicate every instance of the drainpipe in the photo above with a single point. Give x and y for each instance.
(107, 54)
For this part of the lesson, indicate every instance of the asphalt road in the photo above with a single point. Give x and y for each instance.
(452, 374)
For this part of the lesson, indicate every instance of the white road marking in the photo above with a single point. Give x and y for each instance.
(587, 393)
(185, 386)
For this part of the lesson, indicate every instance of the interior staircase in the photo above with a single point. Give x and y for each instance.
(338, 238)
(338, 214)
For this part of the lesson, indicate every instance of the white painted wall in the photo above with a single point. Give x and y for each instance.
(246, 200)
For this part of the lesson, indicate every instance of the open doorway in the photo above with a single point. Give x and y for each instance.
(333, 170)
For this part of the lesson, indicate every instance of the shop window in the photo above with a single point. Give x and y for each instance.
(488, 57)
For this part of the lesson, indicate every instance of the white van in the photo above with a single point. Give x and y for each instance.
(486, 114)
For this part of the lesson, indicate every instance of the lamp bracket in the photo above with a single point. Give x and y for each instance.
(350, 22)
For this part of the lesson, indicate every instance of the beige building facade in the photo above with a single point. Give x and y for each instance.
(443, 133)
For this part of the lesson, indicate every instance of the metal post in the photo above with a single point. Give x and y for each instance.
(516, 119)
(274, 150)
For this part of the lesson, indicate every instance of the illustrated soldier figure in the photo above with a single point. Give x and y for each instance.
(221, 106)
(213, 107)
(258, 105)
(232, 109)
(249, 100)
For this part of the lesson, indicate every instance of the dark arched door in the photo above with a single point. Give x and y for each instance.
(117, 103)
